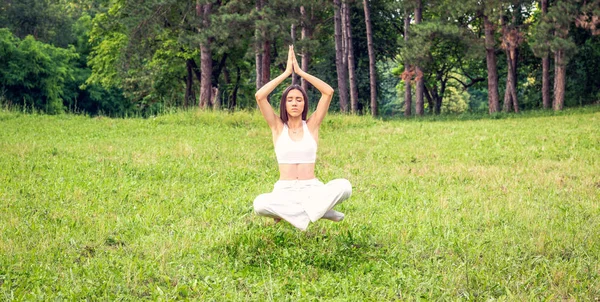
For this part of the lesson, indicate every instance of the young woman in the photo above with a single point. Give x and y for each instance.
(298, 197)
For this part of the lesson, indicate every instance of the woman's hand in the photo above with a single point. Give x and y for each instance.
(290, 61)
(262, 95)
(297, 68)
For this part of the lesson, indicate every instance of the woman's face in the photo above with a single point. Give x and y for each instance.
(294, 103)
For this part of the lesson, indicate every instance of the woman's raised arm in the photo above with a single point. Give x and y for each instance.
(261, 95)
(326, 94)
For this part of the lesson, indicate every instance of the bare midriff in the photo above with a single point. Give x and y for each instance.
(296, 171)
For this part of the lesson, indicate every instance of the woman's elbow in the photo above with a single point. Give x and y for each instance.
(258, 96)
(329, 92)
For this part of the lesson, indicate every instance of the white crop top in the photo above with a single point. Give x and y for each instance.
(303, 151)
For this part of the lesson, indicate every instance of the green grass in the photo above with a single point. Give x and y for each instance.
(444, 208)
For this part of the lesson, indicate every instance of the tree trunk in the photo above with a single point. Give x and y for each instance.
(189, 85)
(510, 94)
(429, 97)
(258, 49)
(206, 66)
(196, 70)
(258, 63)
(546, 101)
(217, 71)
(305, 35)
(227, 78)
(351, 68)
(344, 35)
(341, 69)
(493, 102)
(514, 58)
(510, 42)
(419, 105)
(444, 85)
(233, 102)
(266, 62)
(216, 98)
(437, 106)
(559, 80)
(205, 61)
(507, 91)
(372, 70)
(419, 73)
(407, 88)
(509, 74)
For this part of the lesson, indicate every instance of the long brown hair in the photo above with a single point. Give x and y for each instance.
(283, 112)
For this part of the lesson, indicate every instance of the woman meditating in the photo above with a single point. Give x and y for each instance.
(298, 197)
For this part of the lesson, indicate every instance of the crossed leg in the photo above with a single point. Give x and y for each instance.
(300, 208)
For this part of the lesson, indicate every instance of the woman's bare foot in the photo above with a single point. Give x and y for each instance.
(333, 216)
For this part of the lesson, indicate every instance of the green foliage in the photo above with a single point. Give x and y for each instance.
(583, 82)
(437, 47)
(581, 48)
(456, 101)
(443, 208)
(33, 74)
(107, 49)
(54, 24)
(551, 32)
(131, 56)
(92, 98)
(443, 51)
(45, 20)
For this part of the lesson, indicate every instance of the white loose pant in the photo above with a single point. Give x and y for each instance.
(301, 201)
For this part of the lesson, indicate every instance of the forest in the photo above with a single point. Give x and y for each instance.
(383, 57)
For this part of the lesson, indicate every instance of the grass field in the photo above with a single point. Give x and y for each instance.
(444, 208)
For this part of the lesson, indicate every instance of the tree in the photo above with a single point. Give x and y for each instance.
(150, 55)
(407, 76)
(547, 103)
(258, 46)
(553, 35)
(480, 19)
(441, 50)
(305, 36)
(45, 20)
(372, 71)
(561, 15)
(492, 70)
(143, 56)
(129, 47)
(419, 106)
(341, 68)
(512, 37)
(350, 59)
(206, 88)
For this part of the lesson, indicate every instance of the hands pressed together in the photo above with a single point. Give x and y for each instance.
(292, 63)
(292, 66)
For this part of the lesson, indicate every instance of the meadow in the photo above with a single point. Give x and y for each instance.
(444, 208)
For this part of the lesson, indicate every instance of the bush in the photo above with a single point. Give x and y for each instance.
(32, 73)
